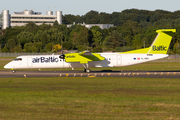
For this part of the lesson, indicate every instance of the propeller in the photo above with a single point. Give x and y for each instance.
(62, 56)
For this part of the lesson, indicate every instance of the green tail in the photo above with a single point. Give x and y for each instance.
(160, 45)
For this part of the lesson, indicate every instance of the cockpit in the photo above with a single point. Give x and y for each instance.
(18, 59)
(13, 64)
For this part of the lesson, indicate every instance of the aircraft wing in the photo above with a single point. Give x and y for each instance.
(83, 57)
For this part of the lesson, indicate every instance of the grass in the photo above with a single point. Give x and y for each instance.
(89, 98)
(92, 98)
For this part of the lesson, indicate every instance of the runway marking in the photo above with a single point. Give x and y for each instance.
(92, 76)
(159, 74)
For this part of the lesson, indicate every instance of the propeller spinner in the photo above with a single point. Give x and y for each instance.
(62, 56)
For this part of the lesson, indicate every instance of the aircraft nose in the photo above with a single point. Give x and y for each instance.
(7, 66)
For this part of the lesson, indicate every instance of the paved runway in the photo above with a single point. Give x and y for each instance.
(143, 74)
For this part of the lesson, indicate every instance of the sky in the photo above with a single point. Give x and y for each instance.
(81, 7)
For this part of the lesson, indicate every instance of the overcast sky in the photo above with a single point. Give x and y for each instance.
(81, 7)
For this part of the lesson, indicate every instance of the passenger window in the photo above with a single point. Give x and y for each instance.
(18, 59)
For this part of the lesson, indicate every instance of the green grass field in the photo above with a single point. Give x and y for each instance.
(92, 98)
(89, 98)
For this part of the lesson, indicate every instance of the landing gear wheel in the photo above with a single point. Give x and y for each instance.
(13, 71)
(88, 70)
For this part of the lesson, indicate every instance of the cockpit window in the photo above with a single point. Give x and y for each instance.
(18, 59)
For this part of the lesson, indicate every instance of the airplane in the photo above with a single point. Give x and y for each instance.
(86, 59)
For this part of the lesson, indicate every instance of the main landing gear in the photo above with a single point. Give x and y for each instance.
(86, 69)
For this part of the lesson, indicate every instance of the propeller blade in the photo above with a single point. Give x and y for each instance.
(62, 47)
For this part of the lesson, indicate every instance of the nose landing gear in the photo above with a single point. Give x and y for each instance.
(12, 70)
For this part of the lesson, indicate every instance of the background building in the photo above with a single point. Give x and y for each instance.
(1, 20)
(102, 26)
(22, 18)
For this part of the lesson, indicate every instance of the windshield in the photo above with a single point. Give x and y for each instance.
(18, 59)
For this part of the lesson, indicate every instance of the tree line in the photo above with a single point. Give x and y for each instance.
(134, 29)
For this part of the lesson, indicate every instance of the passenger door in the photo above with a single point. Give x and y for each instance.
(29, 62)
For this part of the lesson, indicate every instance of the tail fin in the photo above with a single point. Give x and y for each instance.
(162, 41)
(160, 44)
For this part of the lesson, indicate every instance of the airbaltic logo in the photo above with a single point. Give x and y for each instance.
(45, 60)
(159, 48)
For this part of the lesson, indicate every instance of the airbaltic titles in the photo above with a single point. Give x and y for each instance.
(45, 60)
(159, 48)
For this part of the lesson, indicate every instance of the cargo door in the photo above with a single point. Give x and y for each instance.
(118, 60)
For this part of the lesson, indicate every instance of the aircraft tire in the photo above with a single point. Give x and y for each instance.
(88, 70)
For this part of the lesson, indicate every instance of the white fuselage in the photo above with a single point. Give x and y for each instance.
(53, 61)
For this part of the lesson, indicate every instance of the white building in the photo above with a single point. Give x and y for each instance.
(102, 26)
(1, 21)
(22, 18)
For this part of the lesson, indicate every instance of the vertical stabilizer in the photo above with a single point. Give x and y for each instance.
(162, 41)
